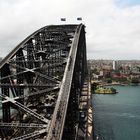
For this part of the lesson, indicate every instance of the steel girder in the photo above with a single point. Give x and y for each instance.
(40, 82)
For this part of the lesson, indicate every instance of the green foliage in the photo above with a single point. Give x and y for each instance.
(109, 80)
(135, 80)
(94, 87)
(123, 79)
(95, 71)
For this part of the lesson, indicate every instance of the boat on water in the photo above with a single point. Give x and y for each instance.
(105, 90)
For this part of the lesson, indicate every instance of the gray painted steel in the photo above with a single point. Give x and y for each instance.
(41, 81)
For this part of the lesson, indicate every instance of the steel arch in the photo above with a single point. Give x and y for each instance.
(41, 81)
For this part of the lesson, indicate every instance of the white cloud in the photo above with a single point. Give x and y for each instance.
(116, 32)
(112, 32)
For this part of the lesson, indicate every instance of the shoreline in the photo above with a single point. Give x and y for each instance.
(105, 93)
(119, 84)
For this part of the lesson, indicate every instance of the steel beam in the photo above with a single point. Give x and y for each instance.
(41, 80)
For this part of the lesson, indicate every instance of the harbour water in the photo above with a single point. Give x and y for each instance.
(117, 116)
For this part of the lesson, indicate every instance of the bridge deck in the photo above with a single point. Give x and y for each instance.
(85, 130)
(90, 115)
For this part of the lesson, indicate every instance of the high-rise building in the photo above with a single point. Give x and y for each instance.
(115, 65)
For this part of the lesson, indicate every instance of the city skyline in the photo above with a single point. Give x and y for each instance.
(112, 26)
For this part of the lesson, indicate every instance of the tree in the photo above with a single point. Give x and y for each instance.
(135, 80)
(109, 80)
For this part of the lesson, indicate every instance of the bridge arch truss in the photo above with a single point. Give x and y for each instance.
(40, 84)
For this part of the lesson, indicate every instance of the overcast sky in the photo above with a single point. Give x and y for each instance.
(112, 26)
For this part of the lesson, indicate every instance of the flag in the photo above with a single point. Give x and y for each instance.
(63, 19)
(79, 18)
